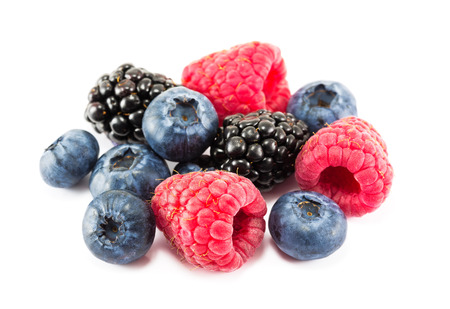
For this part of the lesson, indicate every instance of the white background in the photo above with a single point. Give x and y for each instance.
(393, 56)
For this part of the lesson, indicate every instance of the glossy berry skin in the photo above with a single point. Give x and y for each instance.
(307, 225)
(261, 146)
(321, 103)
(133, 167)
(118, 101)
(180, 124)
(118, 227)
(69, 159)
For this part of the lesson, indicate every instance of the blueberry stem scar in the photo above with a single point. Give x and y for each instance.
(110, 229)
(124, 161)
(52, 146)
(322, 96)
(185, 110)
(309, 212)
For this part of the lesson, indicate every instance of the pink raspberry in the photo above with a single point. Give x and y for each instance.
(244, 79)
(214, 219)
(348, 162)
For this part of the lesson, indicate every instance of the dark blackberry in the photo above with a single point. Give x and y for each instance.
(118, 102)
(261, 146)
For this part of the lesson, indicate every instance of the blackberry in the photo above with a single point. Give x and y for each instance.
(261, 146)
(118, 101)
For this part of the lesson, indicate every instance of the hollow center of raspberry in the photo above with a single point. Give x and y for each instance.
(185, 111)
(124, 161)
(321, 96)
(340, 179)
(110, 229)
(238, 223)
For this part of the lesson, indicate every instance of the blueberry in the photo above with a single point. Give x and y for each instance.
(71, 157)
(118, 227)
(307, 225)
(186, 168)
(201, 164)
(180, 124)
(133, 167)
(322, 102)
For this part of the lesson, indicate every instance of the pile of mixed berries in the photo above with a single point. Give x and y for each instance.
(236, 104)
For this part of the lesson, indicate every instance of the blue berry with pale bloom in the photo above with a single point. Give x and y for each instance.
(307, 225)
(180, 124)
(321, 103)
(118, 227)
(132, 167)
(69, 159)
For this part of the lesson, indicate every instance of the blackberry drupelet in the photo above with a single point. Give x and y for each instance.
(118, 101)
(261, 146)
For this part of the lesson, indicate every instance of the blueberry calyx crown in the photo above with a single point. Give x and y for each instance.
(185, 111)
(52, 146)
(124, 161)
(309, 209)
(110, 230)
(321, 96)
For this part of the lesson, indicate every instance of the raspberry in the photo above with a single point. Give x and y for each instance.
(243, 79)
(348, 162)
(215, 219)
